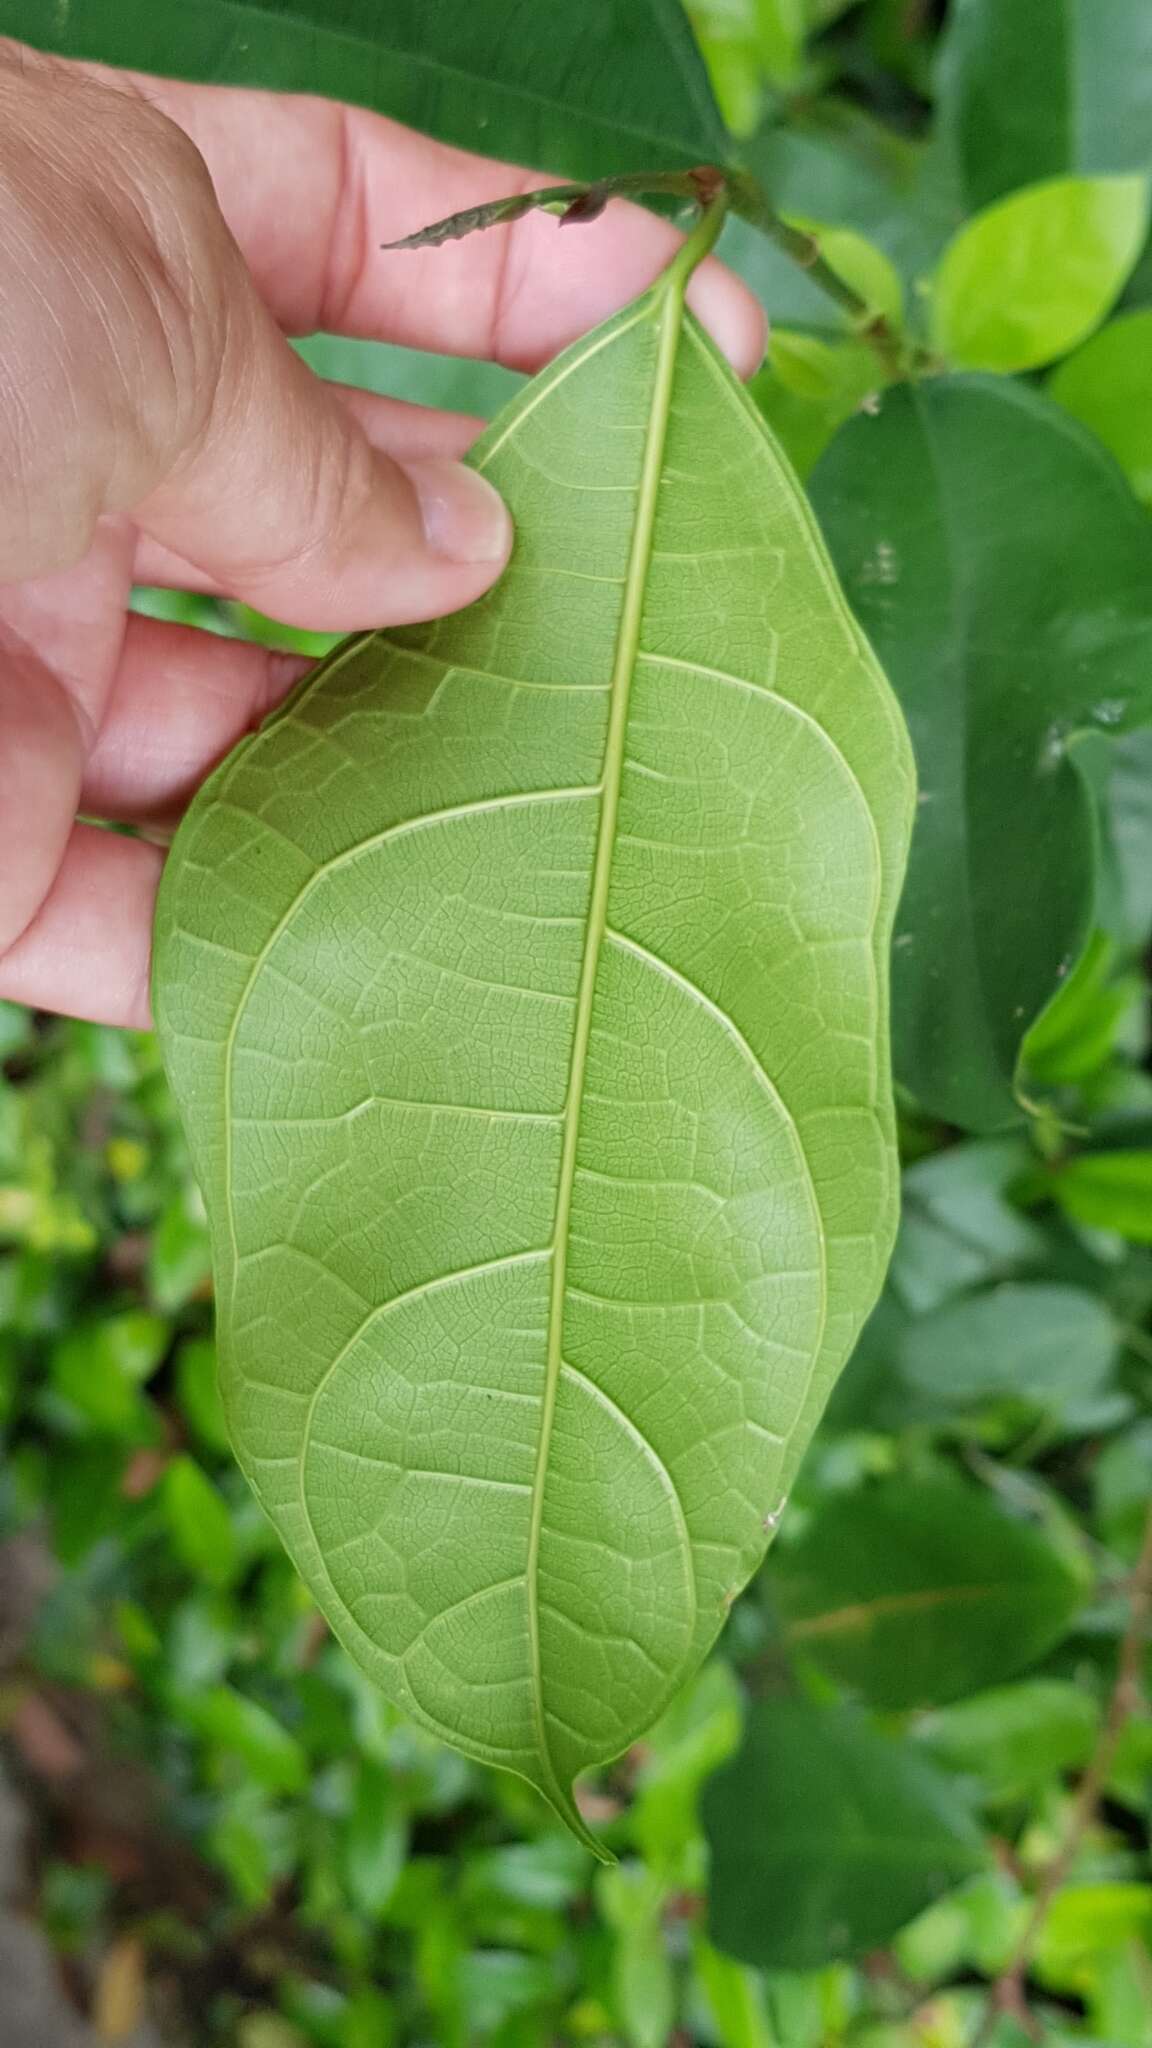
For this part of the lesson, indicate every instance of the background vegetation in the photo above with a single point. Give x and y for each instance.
(908, 1805)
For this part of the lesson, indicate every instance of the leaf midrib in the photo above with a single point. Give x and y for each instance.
(670, 304)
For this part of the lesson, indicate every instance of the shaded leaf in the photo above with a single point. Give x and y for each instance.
(611, 85)
(958, 1228)
(1034, 88)
(1002, 570)
(375, 1840)
(457, 383)
(826, 1837)
(1017, 1737)
(199, 1522)
(1031, 276)
(809, 386)
(99, 1366)
(1046, 1346)
(559, 1187)
(917, 1591)
(245, 1731)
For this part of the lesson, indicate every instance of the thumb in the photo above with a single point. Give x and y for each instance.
(282, 500)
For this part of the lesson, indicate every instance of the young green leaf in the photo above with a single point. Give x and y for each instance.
(524, 986)
(999, 562)
(1031, 277)
(1108, 1191)
(609, 85)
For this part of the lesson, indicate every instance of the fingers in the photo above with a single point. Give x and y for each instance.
(76, 903)
(311, 190)
(142, 373)
(284, 502)
(181, 700)
(404, 431)
(86, 951)
(42, 748)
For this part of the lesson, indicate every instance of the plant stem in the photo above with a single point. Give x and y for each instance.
(1006, 1995)
(753, 205)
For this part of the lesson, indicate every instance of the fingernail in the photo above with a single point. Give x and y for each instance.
(465, 520)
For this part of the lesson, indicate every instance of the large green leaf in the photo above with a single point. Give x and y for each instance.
(524, 986)
(826, 1837)
(1001, 566)
(610, 85)
(1032, 88)
(918, 1591)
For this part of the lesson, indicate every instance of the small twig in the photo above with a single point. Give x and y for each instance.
(577, 204)
(1006, 1995)
(751, 202)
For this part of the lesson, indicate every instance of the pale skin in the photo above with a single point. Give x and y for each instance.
(158, 241)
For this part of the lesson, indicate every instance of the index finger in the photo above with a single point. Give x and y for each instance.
(311, 189)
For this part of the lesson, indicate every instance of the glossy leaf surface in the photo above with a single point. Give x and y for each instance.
(524, 986)
(827, 1836)
(1030, 277)
(610, 85)
(1034, 88)
(1001, 566)
(917, 1591)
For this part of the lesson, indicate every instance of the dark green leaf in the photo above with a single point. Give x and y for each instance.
(1033, 88)
(1128, 826)
(1002, 569)
(826, 1837)
(917, 1591)
(609, 85)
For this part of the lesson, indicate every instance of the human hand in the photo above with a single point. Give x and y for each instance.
(157, 241)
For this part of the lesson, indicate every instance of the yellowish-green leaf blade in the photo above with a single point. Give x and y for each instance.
(524, 984)
(1032, 275)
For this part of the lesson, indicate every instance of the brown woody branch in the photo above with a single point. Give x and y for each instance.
(1007, 1994)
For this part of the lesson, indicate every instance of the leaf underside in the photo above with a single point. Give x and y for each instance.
(524, 986)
